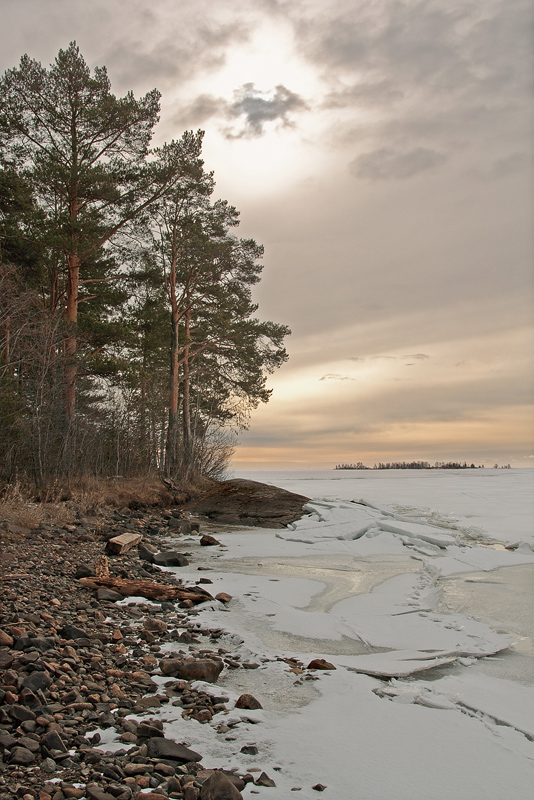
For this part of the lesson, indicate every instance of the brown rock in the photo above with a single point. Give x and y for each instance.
(170, 558)
(146, 551)
(223, 597)
(94, 792)
(169, 750)
(219, 787)
(209, 541)
(203, 669)
(248, 701)
(264, 780)
(320, 663)
(249, 502)
(22, 756)
(121, 544)
(72, 792)
(109, 595)
(204, 715)
(170, 666)
(154, 625)
(5, 639)
(155, 795)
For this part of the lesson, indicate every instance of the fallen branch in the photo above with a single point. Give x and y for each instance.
(148, 589)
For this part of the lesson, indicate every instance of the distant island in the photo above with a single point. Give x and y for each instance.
(418, 465)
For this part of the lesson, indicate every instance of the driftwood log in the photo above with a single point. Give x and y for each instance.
(149, 589)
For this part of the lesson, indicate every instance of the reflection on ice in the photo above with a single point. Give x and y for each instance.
(342, 575)
(504, 599)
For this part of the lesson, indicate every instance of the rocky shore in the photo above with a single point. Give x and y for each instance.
(76, 662)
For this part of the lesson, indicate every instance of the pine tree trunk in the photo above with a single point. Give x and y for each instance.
(171, 450)
(186, 410)
(71, 341)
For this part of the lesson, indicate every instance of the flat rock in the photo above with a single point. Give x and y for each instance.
(250, 503)
(37, 680)
(202, 669)
(96, 793)
(34, 643)
(53, 741)
(22, 756)
(159, 747)
(121, 544)
(20, 713)
(83, 571)
(72, 632)
(108, 594)
(320, 663)
(170, 558)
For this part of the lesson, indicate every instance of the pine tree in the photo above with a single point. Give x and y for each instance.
(85, 154)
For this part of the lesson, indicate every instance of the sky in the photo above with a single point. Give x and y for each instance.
(381, 151)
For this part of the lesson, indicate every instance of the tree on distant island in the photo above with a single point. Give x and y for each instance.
(412, 465)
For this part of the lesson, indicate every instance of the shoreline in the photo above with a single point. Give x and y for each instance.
(309, 717)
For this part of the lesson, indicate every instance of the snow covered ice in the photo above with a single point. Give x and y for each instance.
(403, 581)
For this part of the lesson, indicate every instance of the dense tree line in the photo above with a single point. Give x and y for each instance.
(128, 336)
(411, 465)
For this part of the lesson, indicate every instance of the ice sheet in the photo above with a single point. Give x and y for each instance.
(385, 588)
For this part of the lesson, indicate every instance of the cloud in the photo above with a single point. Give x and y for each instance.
(509, 164)
(204, 107)
(418, 356)
(370, 93)
(388, 164)
(334, 376)
(251, 109)
(254, 108)
(446, 75)
(163, 59)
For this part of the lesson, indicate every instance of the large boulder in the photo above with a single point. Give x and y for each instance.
(219, 787)
(244, 502)
(170, 558)
(201, 669)
(167, 749)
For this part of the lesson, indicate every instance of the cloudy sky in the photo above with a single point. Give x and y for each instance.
(381, 150)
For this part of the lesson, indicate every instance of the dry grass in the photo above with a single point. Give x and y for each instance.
(18, 508)
(89, 493)
(59, 503)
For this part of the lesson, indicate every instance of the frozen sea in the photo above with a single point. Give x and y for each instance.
(418, 586)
